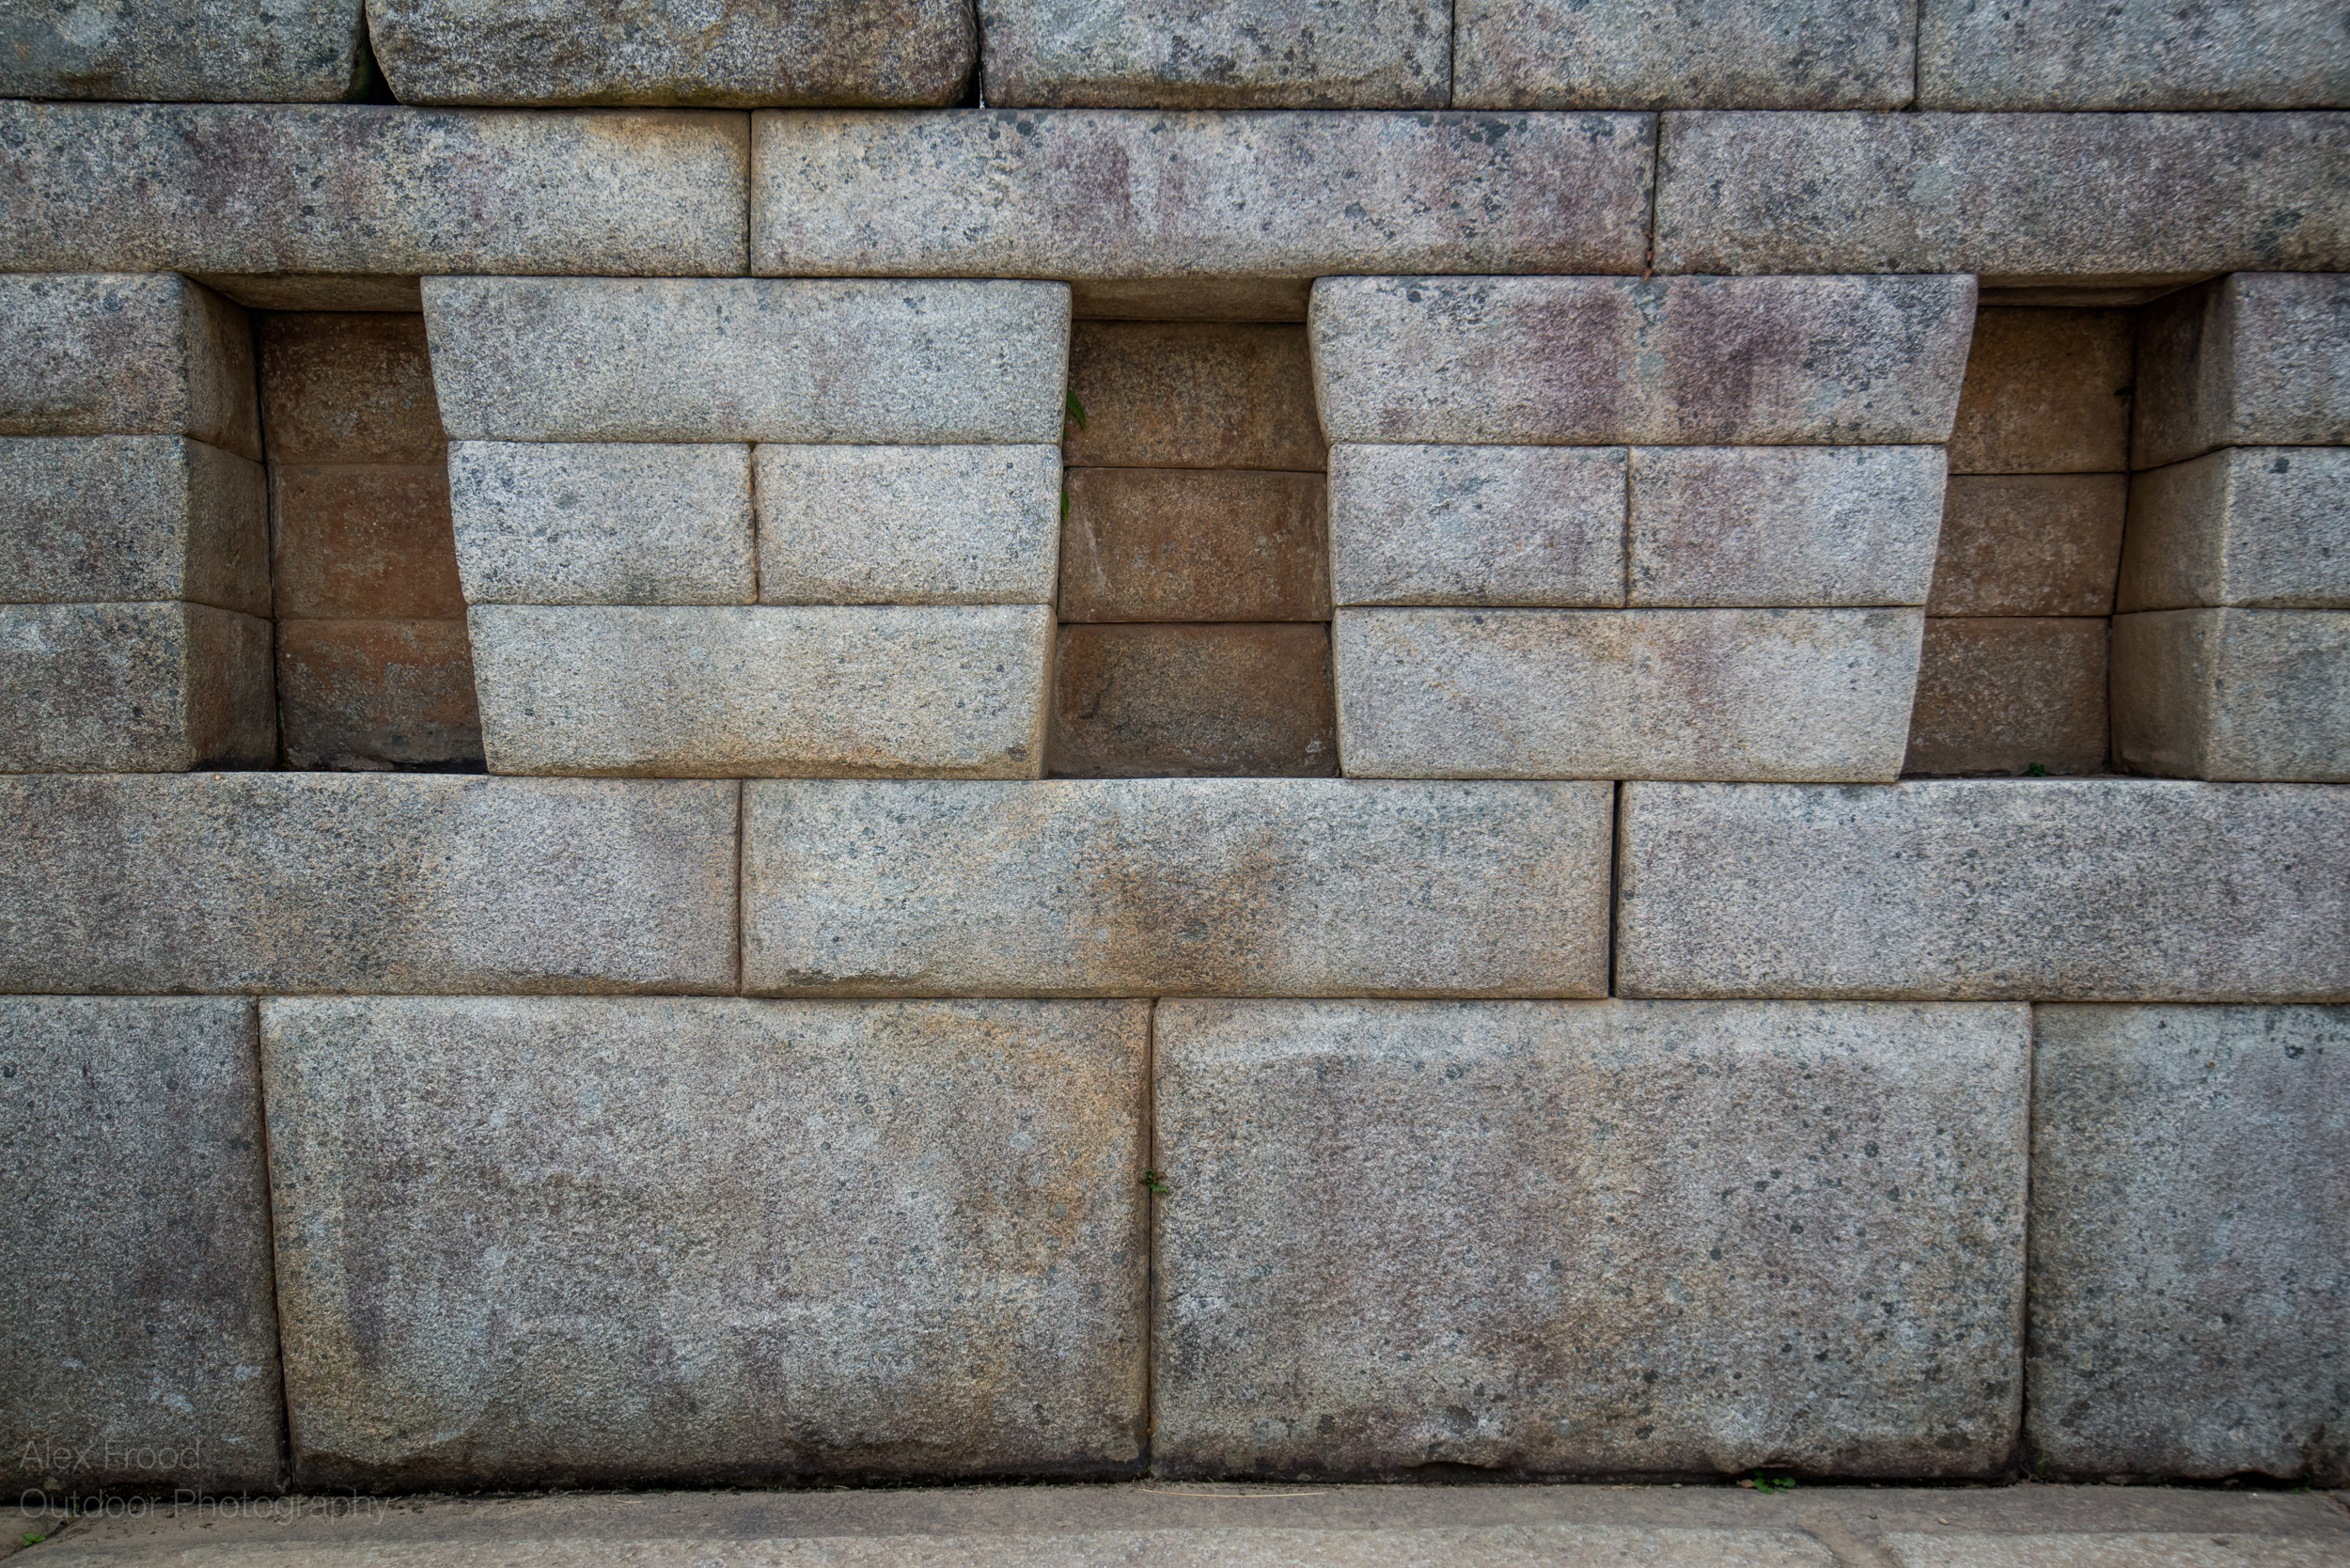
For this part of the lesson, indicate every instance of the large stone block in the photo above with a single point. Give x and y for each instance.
(377, 191)
(2009, 695)
(1583, 361)
(96, 353)
(748, 359)
(219, 51)
(134, 688)
(862, 691)
(565, 1241)
(138, 1330)
(2047, 392)
(1533, 525)
(733, 55)
(1784, 526)
(1589, 1237)
(2254, 359)
(2072, 54)
(1281, 887)
(348, 387)
(1194, 544)
(2234, 694)
(2029, 544)
(377, 694)
(305, 882)
(1192, 395)
(119, 518)
(2176, 197)
(1625, 694)
(1098, 194)
(907, 525)
(2190, 1311)
(1721, 54)
(1150, 700)
(363, 540)
(2058, 890)
(2264, 528)
(1183, 55)
(609, 522)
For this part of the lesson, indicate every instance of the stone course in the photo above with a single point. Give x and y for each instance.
(1268, 54)
(374, 693)
(2008, 693)
(1156, 699)
(613, 523)
(2047, 392)
(2234, 694)
(1192, 395)
(2263, 527)
(115, 354)
(2251, 359)
(360, 540)
(2072, 54)
(1194, 544)
(348, 387)
(307, 51)
(907, 525)
(121, 518)
(1723, 54)
(1453, 525)
(2030, 544)
(134, 688)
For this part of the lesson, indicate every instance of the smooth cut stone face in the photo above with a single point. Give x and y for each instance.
(2057, 889)
(907, 525)
(1721, 54)
(1594, 1237)
(616, 523)
(299, 882)
(1625, 694)
(138, 1336)
(2248, 360)
(2029, 544)
(2007, 694)
(1192, 395)
(134, 688)
(2190, 1213)
(2262, 55)
(1530, 525)
(1138, 701)
(99, 354)
(348, 387)
(1263, 54)
(218, 51)
(2047, 392)
(1191, 545)
(2263, 526)
(121, 518)
(1157, 886)
(1583, 361)
(378, 693)
(363, 540)
(537, 1242)
(2234, 694)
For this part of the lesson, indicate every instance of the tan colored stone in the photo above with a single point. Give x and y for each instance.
(123, 518)
(2234, 694)
(97, 354)
(1194, 544)
(1641, 55)
(377, 694)
(1191, 299)
(134, 688)
(2266, 527)
(603, 522)
(850, 524)
(363, 540)
(1191, 395)
(341, 292)
(2029, 544)
(1178, 54)
(349, 388)
(1437, 524)
(2047, 392)
(2010, 696)
(2253, 360)
(1153, 700)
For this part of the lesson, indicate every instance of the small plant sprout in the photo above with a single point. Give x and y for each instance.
(1154, 1181)
(1076, 410)
(2038, 770)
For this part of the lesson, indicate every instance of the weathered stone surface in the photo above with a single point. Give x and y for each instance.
(117, 518)
(2234, 694)
(97, 354)
(532, 1241)
(134, 688)
(2016, 199)
(1941, 1548)
(736, 55)
(1602, 1236)
(348, 387)
(372, 695)
(2029, 544)
(369, 190)
(1536, 526)
(339, 291)
(1581, 361)
(1180, 55)
(907, 525)
(2190, 1215)
(950, 691)
(748, 359)
(364, 540)
(1192, 395)
(1194, 544)
(2047, 392)
(1097, 195)
(1761, 525)
(138, 1336)
(1153, 700)
(1625, 694)
(2262, 55)
(2061, 890)
(219, 52)
(299, 882)
(2264, 528)
(1722, 54)
(1281, 887)
(2006, 694)
(2253, 360)
(614, 522)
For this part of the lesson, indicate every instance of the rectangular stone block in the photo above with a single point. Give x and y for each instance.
(733, 57)
(134, 688)
(1722, 54)
(748, 359)
(364, 540)
(2047, 392)
(97, 354)
(2029, 544)
(1093, 196)
(1999, 695)
(2234, 694)
(374, 695)
(1743, 527)
(1283, 887)
(2190, 1211)
(348, 387)
(1625, 694)
(1192, 395)
(370, 189)
(138, 1329)
(1156, 700)
(120, 518)
(1264, 55)
(2261, 54)
(615, 522)
(1194, 544)
(1589, 361)
(2055, 890)
(2178, 197)
(907, 525)
(1533, 525)
(2263, 527)
(306, 882)
(2254, 359)
(311, 52)
(818, 691)
(562, 1242)
(1589, 1237)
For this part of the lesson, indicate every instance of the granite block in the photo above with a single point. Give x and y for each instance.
(1443, 525)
